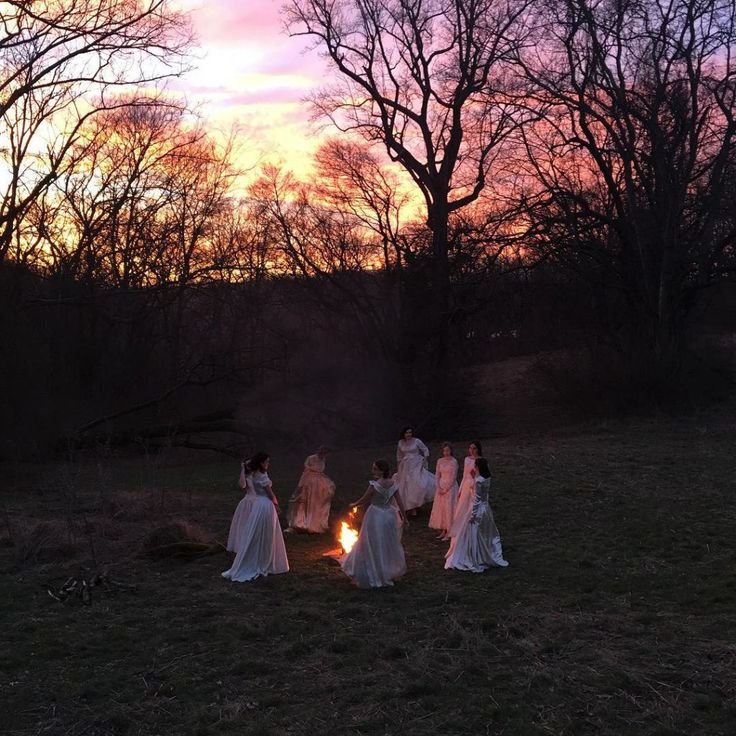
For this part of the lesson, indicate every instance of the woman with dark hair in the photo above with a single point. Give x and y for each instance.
(262, 550)
(309, 507)
(416, 483)
(377, 557)
(242, 511)
(445, 497)
(467, 486)
(477, 546)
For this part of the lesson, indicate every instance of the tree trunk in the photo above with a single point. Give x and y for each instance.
(438, 222)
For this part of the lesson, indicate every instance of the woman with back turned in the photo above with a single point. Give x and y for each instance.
(309, 507)
(377, 558)
(262, 551)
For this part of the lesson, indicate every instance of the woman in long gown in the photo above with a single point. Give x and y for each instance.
(309, 507)
(242, 510)
(416, 483)
(445, 497)
(477, 546)
(262, 550)
(377, 557)
(466, 493)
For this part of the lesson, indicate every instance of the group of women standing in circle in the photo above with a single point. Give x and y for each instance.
(461, 513)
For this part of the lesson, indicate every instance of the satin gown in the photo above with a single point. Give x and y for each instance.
(416, 483)
(377, 558)
(262, 550)
(311, 512)
(465, 495)
(445, 497)
(477, 546)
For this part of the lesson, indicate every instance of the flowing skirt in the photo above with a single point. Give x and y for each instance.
(443, 509)
(463, 506)
(237, 525)
(262, 550)
(478, 546)
(311, 512)
(416, 483)
(377, 559)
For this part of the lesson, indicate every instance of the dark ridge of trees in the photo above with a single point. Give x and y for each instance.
(632, 170)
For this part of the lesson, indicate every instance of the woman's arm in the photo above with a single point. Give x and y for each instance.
(365, 499)
(423, 449)
(402, 511)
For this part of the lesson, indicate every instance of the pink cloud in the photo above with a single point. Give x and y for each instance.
(252, 74)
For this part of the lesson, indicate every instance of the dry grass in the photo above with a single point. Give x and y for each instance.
(616, 616)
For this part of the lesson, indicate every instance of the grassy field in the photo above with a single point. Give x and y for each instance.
(617, 614)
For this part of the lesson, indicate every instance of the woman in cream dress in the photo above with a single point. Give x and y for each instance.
(477, 545)
(416, 483)
(467, 487)
(309, 507)
(237, 525)
(445, 497)
(377, 558)
(262, 551)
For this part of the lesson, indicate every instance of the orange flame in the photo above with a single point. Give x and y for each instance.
(348, 536)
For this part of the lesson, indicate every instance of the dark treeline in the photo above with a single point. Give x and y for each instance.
(575, 162)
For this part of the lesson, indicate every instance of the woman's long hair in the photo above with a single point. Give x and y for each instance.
(384, 467)
(256, 462)
(405, 429)
(482, 464)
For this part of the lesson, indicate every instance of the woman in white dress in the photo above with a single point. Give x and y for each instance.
(377, 557)
(262, 550)
(237, 525)
(309, 507)
(477, 546)
(466, 493)
(445, 497)
(416, 483)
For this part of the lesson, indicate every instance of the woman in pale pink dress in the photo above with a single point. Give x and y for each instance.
(377, 557)
(416, 483)
(445, 497)
(477, 545)
(262, 551)
(309, 507)
(467, 487)
(242, 510)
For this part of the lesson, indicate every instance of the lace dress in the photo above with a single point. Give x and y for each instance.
(445, 497)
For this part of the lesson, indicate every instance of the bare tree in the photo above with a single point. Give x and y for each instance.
(633, 162)
(429, 80)
(58, 64)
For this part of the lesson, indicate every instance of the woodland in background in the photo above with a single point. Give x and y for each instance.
(576, 162)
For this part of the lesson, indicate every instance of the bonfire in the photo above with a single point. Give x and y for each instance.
(347, 537)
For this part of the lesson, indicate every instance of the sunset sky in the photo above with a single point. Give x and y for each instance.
(250, 73)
